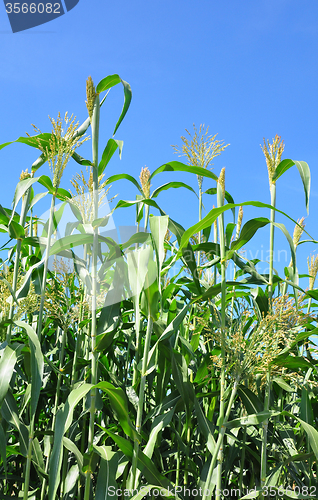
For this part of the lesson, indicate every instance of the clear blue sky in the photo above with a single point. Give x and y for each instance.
(247, 69)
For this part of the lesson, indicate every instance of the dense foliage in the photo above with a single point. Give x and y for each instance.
(164, 365)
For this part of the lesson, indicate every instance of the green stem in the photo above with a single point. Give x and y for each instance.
(220, 198)
(219, 441)
(141, 397)
(264, 436)
(94, 353)
(46, 262)
(24, 211)
(29, 459)
(271, 245)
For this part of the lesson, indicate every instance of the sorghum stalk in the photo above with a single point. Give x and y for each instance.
(264, 428)
(141, 395)
(271, 244)
(220, 441)
(273, 154)
(94, 353)
(220, 201)
(29, 459)
(46, 262)
(24, 211)
(238, 229)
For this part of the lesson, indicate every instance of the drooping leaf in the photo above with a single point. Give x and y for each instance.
(109, 150)
(303, 170)
(109, 82)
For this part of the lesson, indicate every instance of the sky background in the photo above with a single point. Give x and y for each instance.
(246, 69)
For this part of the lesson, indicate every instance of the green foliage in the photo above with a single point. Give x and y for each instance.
(165, 362)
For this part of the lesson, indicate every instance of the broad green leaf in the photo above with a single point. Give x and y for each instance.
(43, 139)
(9, 410)
(16, 231)
(128, 177)
(291, 362)
(311, 432)
(37, 364)
(170, 185)
(109, 150)
(304, 171)
(70, 446)
(79, 159)
(63, 421)
(158, 227)
(3, 453)
(144, 464)
(109, 82)
(119, 404)
(281, 382)
(106, 483)
(255, 419)
(251, 402)
(214, 214)
(71, 478)
(177, 166)
(205, 426)
(7, 363)
(70, 242)
(20, 190)
(306, 411)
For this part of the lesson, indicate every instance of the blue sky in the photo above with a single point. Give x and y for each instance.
(246, 69)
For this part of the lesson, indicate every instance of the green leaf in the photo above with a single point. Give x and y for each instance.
(291, 362)
(109, 82)
(16, 231)
(205, 426)
(177, 166)
(10, 412)
(304, 171)
(79, 159)
(311, 432)
(106, 482)
(3, 453)
(170, 185)
(33, 141)
(158, 228)
(255, 419)
(20, 190)
(306, 412)
(214, 214)
(109, 150)
(251, 402)
(63, 421)
(144, 464)
(119, 405)
(37, 364)
(70, 241)
(71, 478)
(128, 177)
(70, 446)
(7, 364)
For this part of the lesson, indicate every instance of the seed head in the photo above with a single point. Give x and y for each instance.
(221, 181)
(61, 146)
(145, 183)
(239, 221)
(312, 270)
(273, 154)
(90, 95)
(200, 149)
(25, 175)
(298, 231)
